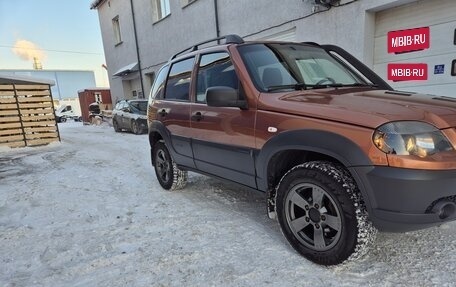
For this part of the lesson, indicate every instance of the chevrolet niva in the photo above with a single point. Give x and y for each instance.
(338, 152)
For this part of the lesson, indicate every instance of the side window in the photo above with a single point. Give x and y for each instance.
(178, 85)
(66, 109)
(215, 69)
(158, 88)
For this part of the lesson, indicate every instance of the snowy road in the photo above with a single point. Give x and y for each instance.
(89, 212)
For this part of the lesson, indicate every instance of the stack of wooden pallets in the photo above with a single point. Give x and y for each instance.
(27, 115)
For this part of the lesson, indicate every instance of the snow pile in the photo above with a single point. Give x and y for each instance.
(89, 212)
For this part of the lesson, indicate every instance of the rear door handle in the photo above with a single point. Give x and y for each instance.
(197, 116)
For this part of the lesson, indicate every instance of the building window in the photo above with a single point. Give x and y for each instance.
(453, 68)
(98, 98)
(134, 94)
(116, 28)
(454, 37)
(161, 9)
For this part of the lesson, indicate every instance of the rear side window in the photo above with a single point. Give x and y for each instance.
(215, 69)
(158, 87)
(178, 85)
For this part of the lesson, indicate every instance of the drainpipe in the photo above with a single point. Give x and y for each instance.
(217, 28)
(137, 48)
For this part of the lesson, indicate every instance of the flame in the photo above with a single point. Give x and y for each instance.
(27, 50)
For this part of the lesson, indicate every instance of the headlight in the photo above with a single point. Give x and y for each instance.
(410, 138)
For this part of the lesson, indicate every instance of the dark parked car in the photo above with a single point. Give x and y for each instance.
(130, 115)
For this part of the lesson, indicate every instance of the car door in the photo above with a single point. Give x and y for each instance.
(173, 110)
(222, 137)
(123, 109)
(117, 117)
(127, 115)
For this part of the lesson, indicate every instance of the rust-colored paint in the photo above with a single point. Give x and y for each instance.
(353, 113)
(230, 126)
(177, 119)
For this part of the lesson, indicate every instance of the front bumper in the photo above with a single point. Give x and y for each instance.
(401, 199)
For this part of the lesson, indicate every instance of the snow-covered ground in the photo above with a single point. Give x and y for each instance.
(89, 212)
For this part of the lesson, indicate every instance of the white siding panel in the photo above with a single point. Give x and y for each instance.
(427, 12)
(287, 36)
(439, 79)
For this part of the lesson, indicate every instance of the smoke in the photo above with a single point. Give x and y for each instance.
(27, 50)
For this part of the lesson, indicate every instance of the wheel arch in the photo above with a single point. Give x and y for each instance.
(291, 148)
(157, 132)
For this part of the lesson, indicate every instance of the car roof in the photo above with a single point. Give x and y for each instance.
(137, 100)
(230, 40)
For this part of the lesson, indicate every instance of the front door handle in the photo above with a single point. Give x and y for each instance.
(162, 112)
(197, 116)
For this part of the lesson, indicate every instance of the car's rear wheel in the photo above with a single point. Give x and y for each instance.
(168, 174)
(322, 215)
(135, 127)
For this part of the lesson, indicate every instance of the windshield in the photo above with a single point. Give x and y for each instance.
(139, 107)
(278, 66)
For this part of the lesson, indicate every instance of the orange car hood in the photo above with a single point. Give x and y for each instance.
(363, 106)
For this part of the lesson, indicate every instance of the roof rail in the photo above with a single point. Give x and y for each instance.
(311, 43)
(229, 39)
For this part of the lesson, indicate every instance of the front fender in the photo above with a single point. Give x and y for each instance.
(330, 144)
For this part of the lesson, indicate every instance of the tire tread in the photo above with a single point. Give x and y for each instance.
(366, 232)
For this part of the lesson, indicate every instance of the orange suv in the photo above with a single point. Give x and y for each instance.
(338, 152)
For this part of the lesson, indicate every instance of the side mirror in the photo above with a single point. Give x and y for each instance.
(221, 96)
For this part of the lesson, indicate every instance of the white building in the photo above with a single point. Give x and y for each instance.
(67, 82)
(140, 35)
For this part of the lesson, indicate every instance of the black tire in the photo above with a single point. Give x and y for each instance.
(322, 215)
(135, 127)
(63, 119)
(115, 125)
(168, 174)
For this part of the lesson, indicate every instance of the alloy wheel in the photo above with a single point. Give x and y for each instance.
(163, 166)
(313, 216)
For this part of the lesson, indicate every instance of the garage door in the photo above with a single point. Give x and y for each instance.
(440, 17)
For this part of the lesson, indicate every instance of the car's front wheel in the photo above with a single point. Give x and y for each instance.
(322, 215)
(168, 174)
(115, 126)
